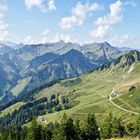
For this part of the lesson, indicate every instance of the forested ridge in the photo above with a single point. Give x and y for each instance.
(35, 108)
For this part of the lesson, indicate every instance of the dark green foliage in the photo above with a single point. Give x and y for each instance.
(52, 96)
(91, 128)
(132, 88)
(58, 108)
(112, 127)
(25, 113)
(33, 109)
(72, 82)
(35, 132)
(106, 127)
(68, 129)
(130, 128)
(137, 126)
(13, 134)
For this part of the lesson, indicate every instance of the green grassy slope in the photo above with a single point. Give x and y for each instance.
(92, 94)
(11, 108)
(93, 91)
(16, 90)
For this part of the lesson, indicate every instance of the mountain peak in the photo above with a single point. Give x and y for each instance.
(124, 60)
(60, 42)
(8, 43)
(135, 54)
(73, 51)
(107, 44)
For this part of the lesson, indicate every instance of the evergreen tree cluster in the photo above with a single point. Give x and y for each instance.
(68, 129)
(33, 109)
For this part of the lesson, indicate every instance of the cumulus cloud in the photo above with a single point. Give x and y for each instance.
(113, 17)
(104, 24)
(45, 32)
(44, 7)
(44, 38)
(4, 33)
(29, 40)
(52, 5)
(101, 32)
(64, 37)
(78, 15)
(55, 38)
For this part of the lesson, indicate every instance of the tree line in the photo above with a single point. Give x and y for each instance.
(68, 129)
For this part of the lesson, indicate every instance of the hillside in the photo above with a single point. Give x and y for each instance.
(93, 90)
(112, 88)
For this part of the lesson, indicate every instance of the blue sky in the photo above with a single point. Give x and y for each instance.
(82, 21)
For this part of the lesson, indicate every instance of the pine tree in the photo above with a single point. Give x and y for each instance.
(106, 129)
(130, 128)
(137, 126)
(58, 132)
(35, 132)
(118, 129)
(91, 128)
(78, 130)
(68, 128)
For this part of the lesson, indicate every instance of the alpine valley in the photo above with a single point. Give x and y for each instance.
(26, 68)
(47, 80)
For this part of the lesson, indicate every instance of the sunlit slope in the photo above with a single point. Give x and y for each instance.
(93, 91)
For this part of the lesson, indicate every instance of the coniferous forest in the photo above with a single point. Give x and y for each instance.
(68, 129)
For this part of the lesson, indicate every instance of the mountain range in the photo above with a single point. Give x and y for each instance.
(30, 66)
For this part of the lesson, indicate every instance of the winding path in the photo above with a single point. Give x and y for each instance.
(126, 110)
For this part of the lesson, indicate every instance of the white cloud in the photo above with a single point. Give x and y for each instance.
(52, 5)
(41, 5)
(34, 3)
(64, 37)
(78, 15)
(3, 10)
(101, 32)
(45, 38)
(45, 32)
(3, 25)
(113, 17)
(130, 2)
(123, 40)
(29, 40)
(4, 33)
(32, 40)
(104, 24)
